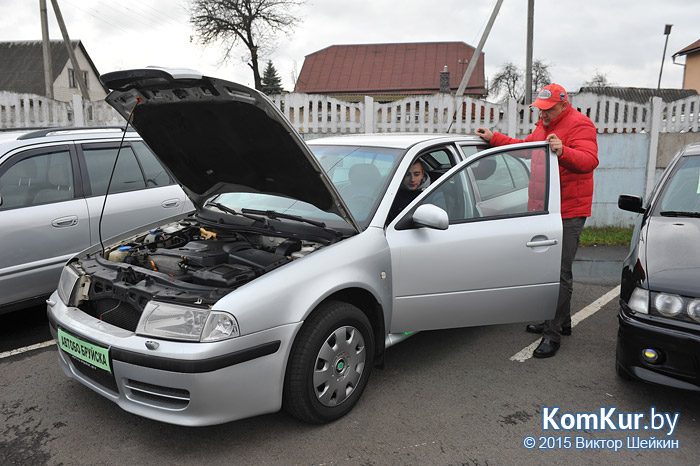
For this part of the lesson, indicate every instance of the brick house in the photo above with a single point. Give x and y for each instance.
(390, 71)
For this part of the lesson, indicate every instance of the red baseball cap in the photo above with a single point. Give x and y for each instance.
(549, 96)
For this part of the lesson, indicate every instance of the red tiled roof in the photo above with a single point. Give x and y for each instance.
(409, 68)
(694, 47)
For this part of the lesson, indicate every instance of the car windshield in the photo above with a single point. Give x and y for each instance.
(280, 204)
(681, 192)
(360, 174)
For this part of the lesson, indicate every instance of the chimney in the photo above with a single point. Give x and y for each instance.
(445, 80)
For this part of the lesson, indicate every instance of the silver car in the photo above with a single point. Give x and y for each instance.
(289, 283)
(52, 187)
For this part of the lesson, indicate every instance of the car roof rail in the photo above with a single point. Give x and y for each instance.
(40, 133)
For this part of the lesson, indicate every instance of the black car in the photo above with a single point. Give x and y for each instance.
(658, 340)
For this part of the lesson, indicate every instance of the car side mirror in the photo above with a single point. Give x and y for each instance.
(630, 203)
(431, 216)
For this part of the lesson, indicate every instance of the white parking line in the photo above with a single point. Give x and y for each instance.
(17, 351)
(526, 353)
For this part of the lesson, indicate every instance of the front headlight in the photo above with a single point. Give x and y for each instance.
(668, 305)
(66, 284)
(694, 310)
(176, 322)
(639, 301)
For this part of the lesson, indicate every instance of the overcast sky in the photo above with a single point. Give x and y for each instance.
(621, 38)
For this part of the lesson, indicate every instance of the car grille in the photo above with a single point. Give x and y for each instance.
(113, 311)
(155, 395)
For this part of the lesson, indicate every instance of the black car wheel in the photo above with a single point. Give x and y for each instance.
(330, 363)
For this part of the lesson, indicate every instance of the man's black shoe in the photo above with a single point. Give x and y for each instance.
(538, 328)
(546, 349)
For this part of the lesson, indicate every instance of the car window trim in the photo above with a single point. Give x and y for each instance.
(401, 221)
(25, 153)
(82, 146)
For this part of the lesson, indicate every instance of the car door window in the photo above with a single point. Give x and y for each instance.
(470, 150)
(38, 179)
(127, 174)
(154, 171)
(497, 185)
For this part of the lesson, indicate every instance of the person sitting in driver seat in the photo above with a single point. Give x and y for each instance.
(414, 183)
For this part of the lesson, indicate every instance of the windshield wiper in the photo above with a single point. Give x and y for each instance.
(229, 210)
(273, 215)
(678, 213)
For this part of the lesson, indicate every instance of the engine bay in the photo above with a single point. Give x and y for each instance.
(182, 263)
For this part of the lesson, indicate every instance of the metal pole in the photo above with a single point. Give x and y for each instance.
(477, 52)
(46, 48)
(667, 32)
(71, 53)
(528, 58)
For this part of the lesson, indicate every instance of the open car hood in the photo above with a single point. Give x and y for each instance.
(217, 136)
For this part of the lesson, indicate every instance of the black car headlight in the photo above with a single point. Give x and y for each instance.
(639, 301)
(694, 310)
(176, 322)
(66, 284)
(669, 305)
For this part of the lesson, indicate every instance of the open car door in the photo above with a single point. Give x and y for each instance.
(482, 245)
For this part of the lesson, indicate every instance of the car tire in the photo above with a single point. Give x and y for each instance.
(330, 363)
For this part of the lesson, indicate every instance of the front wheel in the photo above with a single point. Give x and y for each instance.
(330, 363)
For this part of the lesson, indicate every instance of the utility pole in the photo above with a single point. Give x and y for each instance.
(76, 68)
(46, 48)
(528, 58)
(667, 32)
(477, 52)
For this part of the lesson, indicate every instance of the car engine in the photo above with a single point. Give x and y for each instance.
(181, 263)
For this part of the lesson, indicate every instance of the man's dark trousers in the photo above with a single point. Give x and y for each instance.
(572, 228)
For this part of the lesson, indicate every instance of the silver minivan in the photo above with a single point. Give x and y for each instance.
(52, 192)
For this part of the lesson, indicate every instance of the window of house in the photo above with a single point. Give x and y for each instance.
(72, 83)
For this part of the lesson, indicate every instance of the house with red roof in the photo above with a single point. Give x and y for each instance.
(390, 71)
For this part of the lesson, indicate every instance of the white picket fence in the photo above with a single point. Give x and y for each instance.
(322, 115)
(319, 115)
(31, 111)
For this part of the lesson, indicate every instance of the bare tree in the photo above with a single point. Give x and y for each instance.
(255, 23)
(540, 75)
(507, 82)
(599, 80)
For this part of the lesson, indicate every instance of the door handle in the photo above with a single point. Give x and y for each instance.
(65, 221)
(170, 203)
(538, 244)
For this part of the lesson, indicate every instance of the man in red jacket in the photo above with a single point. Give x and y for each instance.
(572, 136)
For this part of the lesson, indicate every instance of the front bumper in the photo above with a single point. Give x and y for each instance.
(679, 362)
(192, 384)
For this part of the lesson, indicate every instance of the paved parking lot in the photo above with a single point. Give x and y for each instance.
(444, 398)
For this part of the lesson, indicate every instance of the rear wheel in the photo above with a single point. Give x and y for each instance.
(330, 363)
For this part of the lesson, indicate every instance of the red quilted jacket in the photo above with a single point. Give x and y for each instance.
(577, 162)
